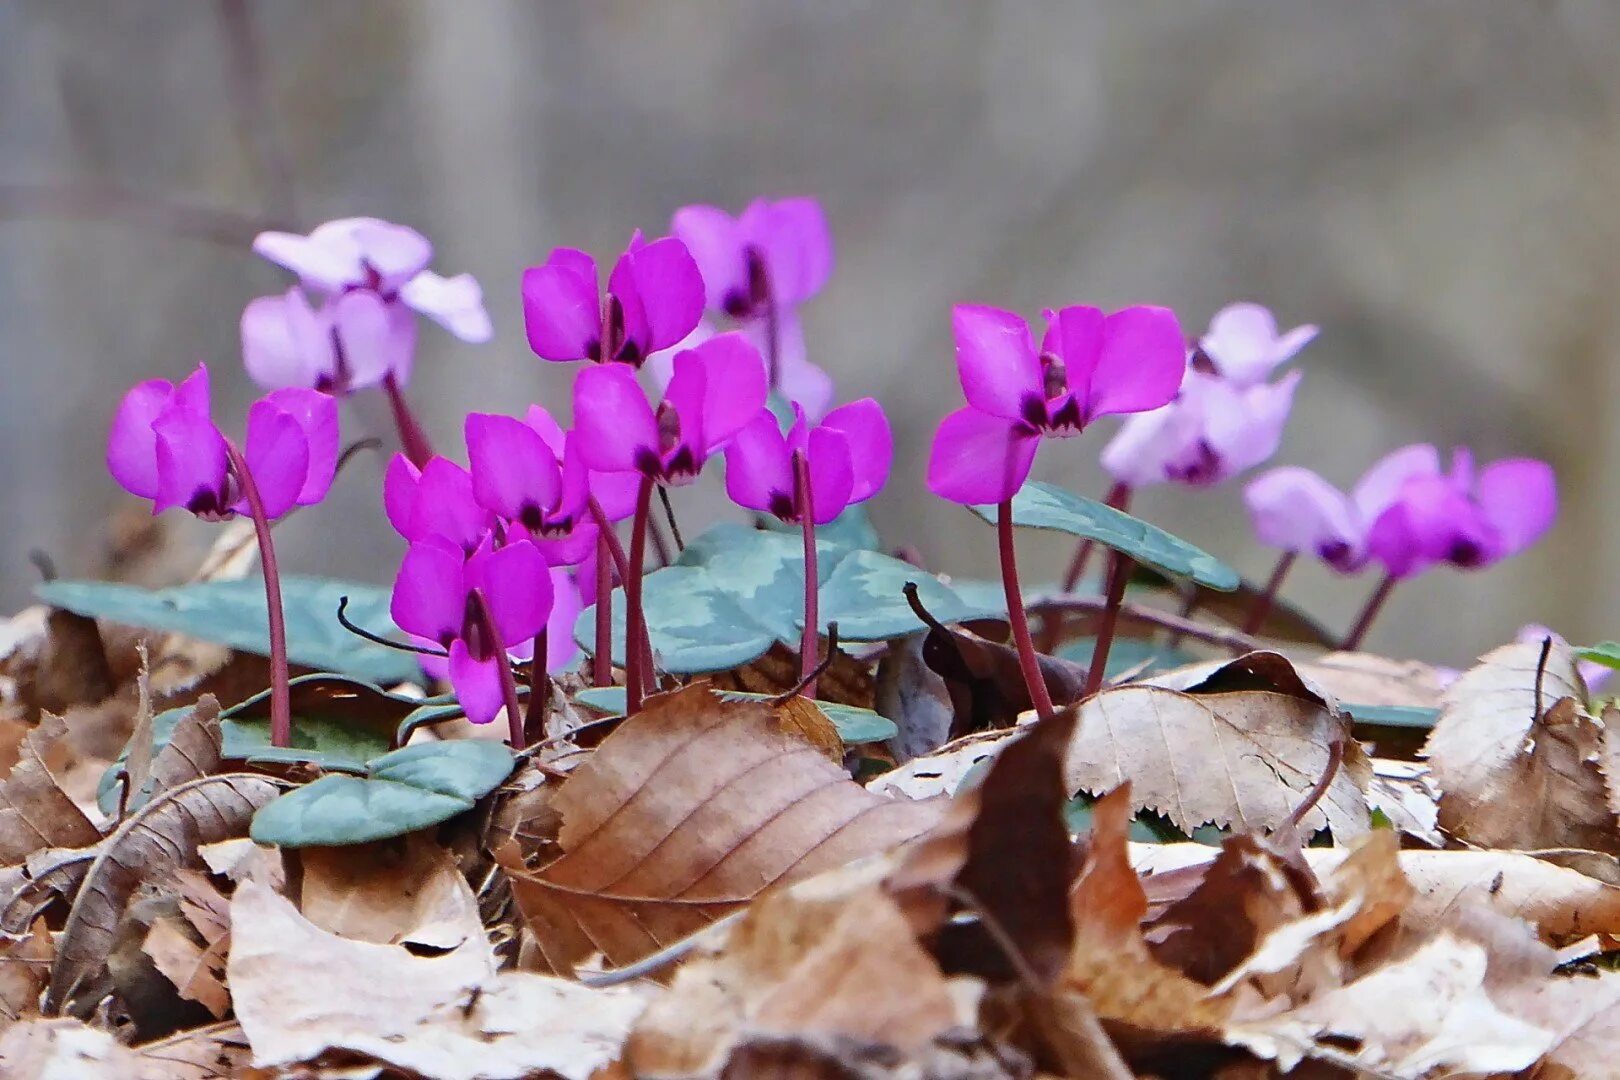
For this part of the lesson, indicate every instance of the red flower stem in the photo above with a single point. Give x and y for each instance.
(539, 687)
(280, 694)
(1027, 660)
(1119, 574)
(602, 655)
(659, 544)
(1119, 497)
(621, 564)
(636, 671)
(486, 626)
(1268, 596)
(412, 439)
(1364, 621)
(810, 641)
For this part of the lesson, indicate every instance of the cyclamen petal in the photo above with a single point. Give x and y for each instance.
(1139, 363)
(277, 454)
(429, 598)
(455, 303)
(193, 467)
(561, 649)
(284, 341)
(516, 584)
(832, 473)
(996, 360)
(514, 473)
(735, 387)
(715, 240)
(1519, 498)
(131, 442)
(759, 466)
(437, 502)
(661, 291)
(616, 426)
(1296, 510)
(793, 237)
(1381, 484)
(477, 683)
(978, 458)
(376, 339)
(317, 417)
(562, 312)
(1243, 344)
(871, 445)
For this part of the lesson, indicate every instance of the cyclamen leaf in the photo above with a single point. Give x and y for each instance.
(694, 625)
(1606, 653)
(232, 613)
(1045, 506)
(866, 597)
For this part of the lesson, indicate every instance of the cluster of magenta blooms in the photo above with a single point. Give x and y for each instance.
(683, 348)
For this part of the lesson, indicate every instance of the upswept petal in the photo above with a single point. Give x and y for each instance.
(277, 454)
(1381, 484)
(735, 387)
(516, 583)
(1244, 426)
(832, 474)
(978, 458)
(759, 469)
(562, 310)
(1519, 498)
(477, 683)
(328, 264)
(284, 341)
(317, 415)
(401, 495)
(192, 464)
(377, 339)
(996, 360)
(871, 445)
(561, 649)
(615, 425)
(395, 253)
(430, 595)
(661, 291)
(512, 468)
(793, 236)
(131, 442)
(455, 303)
(714, 239)
(1140, 361)
(1296, 510)
(1142, 450)
(1243, 344)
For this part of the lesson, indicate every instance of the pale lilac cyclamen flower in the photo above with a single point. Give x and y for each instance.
(1244, 347)
(561, 649)
(1296, 510)
(798, 380)
(716, 390)
(1090, 364)
(775, 252)
(1466, 517)
(654, 299)
(436, 500)
(433, 599)
(847, 457)
(164, 446)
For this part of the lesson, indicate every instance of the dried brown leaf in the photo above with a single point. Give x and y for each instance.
(985, 681)
(388, 892)
(915, 697)
(942, 771)
(192, 752)
(196, 969)
(25, 963)
(300, 992)
(34, 811)
(62, 1049)
(1366, 679)
(155, 841)
(205, 1053)
(1517, 763)
(688, 809)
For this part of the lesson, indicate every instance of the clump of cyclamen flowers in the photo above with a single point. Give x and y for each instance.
(502, 553)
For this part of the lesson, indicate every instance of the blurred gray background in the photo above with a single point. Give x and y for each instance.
(1435, 184)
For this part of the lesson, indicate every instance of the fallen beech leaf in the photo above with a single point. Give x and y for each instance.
(196, 969)
(957, 1055)
(942, 771)
(1516, 755)
(73, 668)
(1242, 758)
(799, 964)
(1404, 792)
(34, 811)
(64, 1049)
(985, 681)
(691, 807)
(161, 837)
(205, 1053)
(1564, 905)
(1583, 1011)
(192, 751)
(1376, 680)
(300, 991)
(387, 892)
(25, 962)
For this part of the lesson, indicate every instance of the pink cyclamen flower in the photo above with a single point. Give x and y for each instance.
(654, 299)
(433, 599)
(164, 446)
(776, 252)
(716, 390)
(1464, 517)
(561, 649)
(389, 260)
(1244, 347)
(798, 380)
(1213, 431)
(1090, 364)
(353, 341)
(847, 455)
(1296, 510)
(436, 500)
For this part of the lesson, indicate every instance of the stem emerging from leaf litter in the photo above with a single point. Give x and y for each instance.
(602, 654)
(1268, 596)
(1364, 621)
(1119, 574)
(534, 718)
(810, 639)
(280, 694)
(412, 439)
(636, 672)
(1027, 660)
(514, 714)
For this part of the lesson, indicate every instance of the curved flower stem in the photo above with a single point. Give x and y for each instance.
(1119, 574)
(636, 670)
(1268, 596)
(486, 625)
(412, 439)
(1027, 660)
(621, 564)
(280, 694)
(1364, 621)
(602, 654)
(660, 546)
(809, 642)
(534, 716)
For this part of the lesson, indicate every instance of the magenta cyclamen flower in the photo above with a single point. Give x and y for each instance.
(1244, 347)
(775, 252)
(561, 649)
(1090, 364)
(164, 446)
(847, 456)
(436, 500)
(434, 599)
(654, 299)
(1466, 518)
(717, 388)
(799, 381)
(380, 257)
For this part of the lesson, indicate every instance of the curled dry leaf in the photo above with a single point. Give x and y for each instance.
(1516, 755)
(25, 962)
(159, 838)
(34, 811)
(205, 1053)
(942, 771)
(387, 892)
(196, 968)
(300, 992)
(915, 697)
(689, 808)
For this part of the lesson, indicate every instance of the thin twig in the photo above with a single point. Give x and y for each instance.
(1541, 672)
(377, 639)
(818, 672)
(669, 516)
(1233, 640)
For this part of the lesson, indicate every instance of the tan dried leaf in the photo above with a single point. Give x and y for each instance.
(688, 809)
(1365, 679)
(196, 969)
(152, 843)
(34, 811)
(1516, 757)
(388, 892)
(300, 991)
(205, 1053)
(1243, 758)
(25, 963)
(64, 1049)
(193, 750)
(942, 771)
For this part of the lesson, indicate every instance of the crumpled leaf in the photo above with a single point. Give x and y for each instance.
(383, 892)
(189, 949)
(942, 772)
(161, 837)
(300, 991)
(984, 680)
(34, 811)
(205, 1053)
(915, 697)
(689, 808)
(1519, 767)
(25, 962)
(64, 1049)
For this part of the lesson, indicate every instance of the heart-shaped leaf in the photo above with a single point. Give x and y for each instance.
(403, 791)
(866, 597)
(855, 725)
(337, 723)
(695, 626)
(1044, 506)
(232, 613)
(762, 571)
